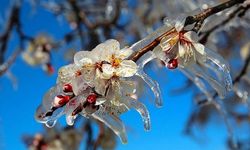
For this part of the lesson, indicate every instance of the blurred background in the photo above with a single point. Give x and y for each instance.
(37, 37)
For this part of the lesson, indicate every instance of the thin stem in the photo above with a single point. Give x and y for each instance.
(240, 11)
(211, 11)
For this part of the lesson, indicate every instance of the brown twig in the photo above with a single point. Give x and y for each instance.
(100, 135)
(240, 11)
(211, 11)
(243, 70)
(13, 22)
(6, 65)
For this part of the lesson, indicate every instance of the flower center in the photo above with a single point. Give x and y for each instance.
(78, 73)
(115, 62)
(184, 40)
(98, 65)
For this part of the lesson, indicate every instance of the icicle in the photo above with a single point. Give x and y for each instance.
(41, 111)
(151, 83)
(50, 123)
(222, 67)
(70, 119)
(113, 122)
(198, 82)
(198, 71)
(142, 110)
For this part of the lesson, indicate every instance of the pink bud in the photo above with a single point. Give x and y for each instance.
(61, 100)
(172, 64)
(91, 98)
(67, 88)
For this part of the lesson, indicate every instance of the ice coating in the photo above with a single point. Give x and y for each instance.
(113, 122)
(200, 64)
(142, 110)
(222, 66)
(151, 83)
(150, 38)
(97, 85)
(100, 84)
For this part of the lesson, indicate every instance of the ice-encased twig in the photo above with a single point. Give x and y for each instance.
(49, 121)
(71, 106)
(142, 110)
(154, 86)
(150, 38)
(113, 122)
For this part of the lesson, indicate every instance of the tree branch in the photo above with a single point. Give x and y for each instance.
(189, 20)
(240, 11)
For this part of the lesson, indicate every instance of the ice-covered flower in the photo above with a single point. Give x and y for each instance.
(180, 48)
(107, 60)
(38, 53)
(97, 85)
(203, 66)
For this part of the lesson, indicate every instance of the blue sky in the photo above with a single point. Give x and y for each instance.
(17, 106)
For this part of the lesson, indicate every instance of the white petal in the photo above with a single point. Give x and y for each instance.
(66, 73)
(28, 58)
(88, 73)
(41, 57)
(127, 68)
(181, 50)
(180, 21)
(100, 84)
(188, 36)
(84, 57)
(112, 44)
(109, 48)
(199, 48)
(108, 71)
(125, 53)
(169, 41)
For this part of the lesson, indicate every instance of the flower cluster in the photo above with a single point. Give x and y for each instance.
(101, 84)
(97, 85)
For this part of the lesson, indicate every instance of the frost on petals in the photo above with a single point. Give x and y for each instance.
(180, 49)
(97, 85)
